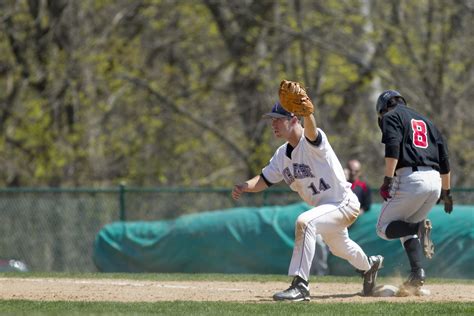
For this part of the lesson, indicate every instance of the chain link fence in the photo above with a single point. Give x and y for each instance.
(54, 229)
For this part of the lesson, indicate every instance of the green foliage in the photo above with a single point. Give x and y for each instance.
(161, 93)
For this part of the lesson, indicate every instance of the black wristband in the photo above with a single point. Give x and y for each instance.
(387, 180)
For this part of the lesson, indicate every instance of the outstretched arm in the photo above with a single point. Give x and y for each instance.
(294, 99)
(310, 127)
(256, 184)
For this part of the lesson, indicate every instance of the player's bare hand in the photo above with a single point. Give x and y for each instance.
(238, 190)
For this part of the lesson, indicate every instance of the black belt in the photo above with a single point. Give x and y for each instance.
(415, 168)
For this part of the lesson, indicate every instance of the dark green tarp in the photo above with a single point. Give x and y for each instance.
(260, 240)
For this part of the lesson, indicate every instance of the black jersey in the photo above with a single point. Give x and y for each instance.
(413, 140)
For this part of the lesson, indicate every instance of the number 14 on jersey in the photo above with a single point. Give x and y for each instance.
(323, 186)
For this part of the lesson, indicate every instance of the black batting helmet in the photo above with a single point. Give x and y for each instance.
(382, 101)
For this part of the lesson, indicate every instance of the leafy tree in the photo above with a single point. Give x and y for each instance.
(171, 93)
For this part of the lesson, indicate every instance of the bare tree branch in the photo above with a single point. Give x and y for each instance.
(193, 118)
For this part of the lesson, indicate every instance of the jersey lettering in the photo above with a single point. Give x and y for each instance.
(420, 137)
(287, 176)
(302, 171)
(323, 186)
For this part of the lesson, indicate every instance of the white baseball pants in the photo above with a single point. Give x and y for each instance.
(331, 222)
(414, 193)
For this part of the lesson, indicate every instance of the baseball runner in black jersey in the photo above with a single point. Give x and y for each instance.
(417, 175)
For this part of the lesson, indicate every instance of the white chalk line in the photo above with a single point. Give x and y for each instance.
(125, 283)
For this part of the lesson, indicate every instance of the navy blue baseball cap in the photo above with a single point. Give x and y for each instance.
(278, 112)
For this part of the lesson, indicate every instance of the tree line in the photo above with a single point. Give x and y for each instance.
(171, 92)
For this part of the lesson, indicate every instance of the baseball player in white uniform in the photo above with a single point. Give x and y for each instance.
(308, 164)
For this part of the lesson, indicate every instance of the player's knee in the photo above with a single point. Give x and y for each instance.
(301, 223)
(302, 220)
(381, 233)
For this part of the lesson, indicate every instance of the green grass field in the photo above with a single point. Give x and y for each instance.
(24, 307)
(15, 307)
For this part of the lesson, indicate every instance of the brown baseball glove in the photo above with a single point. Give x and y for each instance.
(294, 99)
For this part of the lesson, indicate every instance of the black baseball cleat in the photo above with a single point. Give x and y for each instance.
(298, 291)
(424, 234)
(370, 276)
(416, 278)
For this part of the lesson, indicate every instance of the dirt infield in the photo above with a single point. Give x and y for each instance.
(49, 289)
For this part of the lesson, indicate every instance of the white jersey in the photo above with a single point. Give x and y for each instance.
(313, 171)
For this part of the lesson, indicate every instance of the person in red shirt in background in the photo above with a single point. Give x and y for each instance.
(359, 187)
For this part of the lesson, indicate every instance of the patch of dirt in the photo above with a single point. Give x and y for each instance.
(51, 289)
